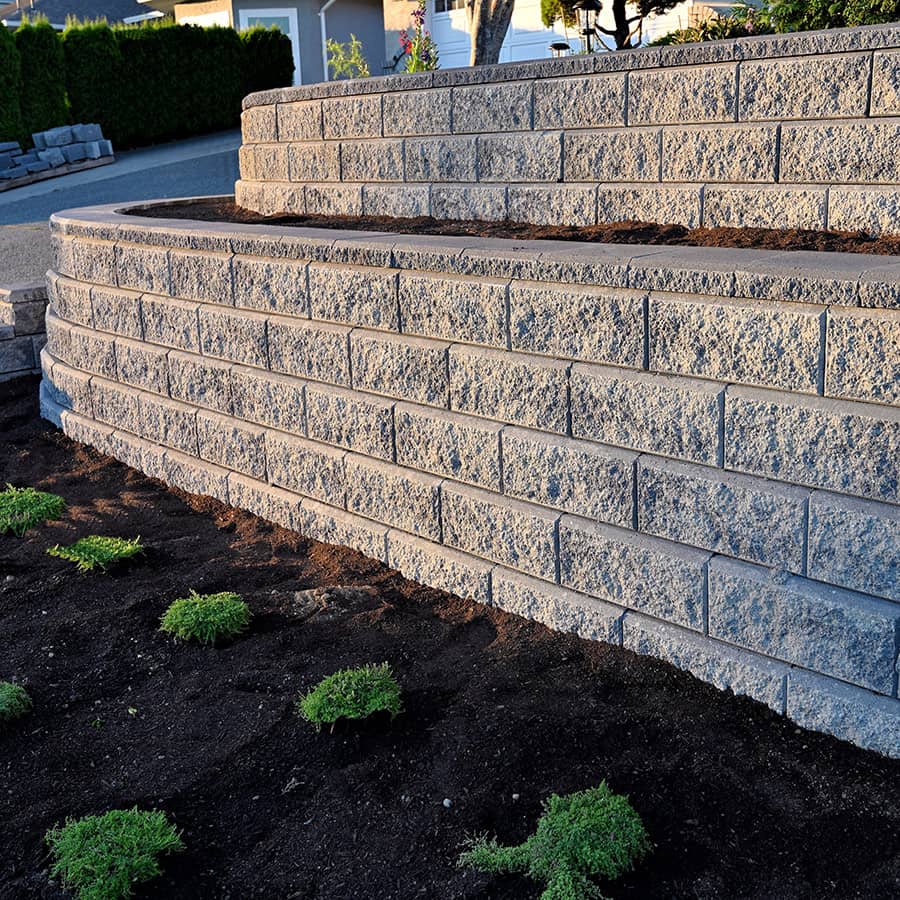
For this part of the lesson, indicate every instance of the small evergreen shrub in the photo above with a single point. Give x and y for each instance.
(101, 857)
(23, 508)
(98, 552)
(580, 837)
(351, 694)
(207, 617)
(268, 59)
(14, 701)
(43, 98)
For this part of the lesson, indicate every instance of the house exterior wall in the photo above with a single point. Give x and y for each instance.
(366, 21)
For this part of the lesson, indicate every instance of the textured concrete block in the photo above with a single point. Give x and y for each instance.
(172, 323)
(819, 87)
(807, 441)
(356, 295)
(142, 365)
(71, 300)
(271, 286)
(578, 321)
(314, 162)
(68, 387)
(615, 155)
(143, 268)
(270, 503)
(728, 668)
(520, 157)
(275, 199)
(848, 713)
(594, 102)
(737, 153)
(59, 337)
(445, 443)
(683, 95)
(863, 355)
(511, 387)
(348, 419)
(492, 107)
(91, 351)
(269, 399)
(886, 83)
(193, 475)
(874, 210)
(828, 630)
(258, 124)
(676, 417)
(115, 404)
(169, 423)
(440, 159)
(737, 515)
(417, 112)
(271, 162)
(487, 204)
(563, 205)
(664, 204)
(372, 160)
(101, 437)
(659, 578)
(308, 468)
(309, 349)
(202, 381)
(394, 496)
(848, 152)
(201, 276)
(332, 526)
(778, 346)
(760, 207)
(400, 366)
(91, 261)
(234, 336)
(352, 117)
(439, 567)
(506, 531)
(398, 200)
(855, 544)
(334, 199)
(232, 444)
(298, 121)
(453, 309)
(117, 310)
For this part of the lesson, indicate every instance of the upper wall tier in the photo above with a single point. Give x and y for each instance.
(786, 131)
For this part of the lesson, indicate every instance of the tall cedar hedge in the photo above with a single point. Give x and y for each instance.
(43, 97)
(11, 127)
(269, 61)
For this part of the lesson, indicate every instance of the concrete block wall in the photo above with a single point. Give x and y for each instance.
(22, 334)
(691, 453)
(787, 131)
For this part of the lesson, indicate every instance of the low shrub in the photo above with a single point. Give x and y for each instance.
(43, 98)
(102, 857)
(24, 508)
(347, 60)
(580, 837)
(98, 552)
(351, 694)
(14, 701)
(207, 617)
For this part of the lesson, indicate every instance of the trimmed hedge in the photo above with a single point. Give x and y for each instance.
(269, 61)
(43, 97)
(93, 63)
(11, 127)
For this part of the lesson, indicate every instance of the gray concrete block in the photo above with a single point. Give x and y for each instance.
(91, 351)
(89, 132)
(520, 157)
(417, 112)
(115, 404)
(194, 476)
(306, 467)
(71, 300)
(874, 210)
(511, 387)
(333, 526)
(828, 630)
(168, 422)
(806, 440)
(440, 159)
(372, 160)
(68, 387)
(663, 204)
(53, 156)
(270, 503)
(855, 544)
(17, 355)
(626, 154)
(117, 310)
(269, 399)
(348, 419)
(352, 117)
(399, 366)
(58, 137)
(258, 125)
(90, 261)
(575, 476)
(492, 107)
(863, 355)
(667, 415)
(296, 121)
(59, 337)
(271, 285)
(232, 444)
(761, 206)
(92, 149)
(683, 95)
(142, 365)
(276, 199)
(496, 528)
(143, 268)
(314, 162)
(543, 204)
(486, 204)
(355, 295)
(334, 199)
(234, 336)
(593, 102)
(309, 349)
(201, 381)
(397, 200)
(201, 276)
(732, 153)
(106, 148)
(172, 323)
(270, 162)
(886, 83)
(662, 579)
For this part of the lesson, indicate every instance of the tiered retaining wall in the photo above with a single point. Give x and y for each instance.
(693, 453)
(787, 131)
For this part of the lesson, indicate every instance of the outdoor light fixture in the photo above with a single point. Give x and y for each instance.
(588, 29)
(559, 47)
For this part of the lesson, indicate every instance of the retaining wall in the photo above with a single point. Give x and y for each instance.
(786, 131)
(692, 453)
(21, 328)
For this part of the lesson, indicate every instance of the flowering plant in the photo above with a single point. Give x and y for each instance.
(420, 48)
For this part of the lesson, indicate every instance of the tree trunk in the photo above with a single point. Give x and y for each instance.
(622, 27)
(488, 24)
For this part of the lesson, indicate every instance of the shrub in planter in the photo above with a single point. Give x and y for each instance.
(11, 127)
(102, 857)
(351, 694)
(43, 97)
(207, 617)
(14, 702)
(268, 59)
(98, 552)
(580, 837)
(23, 508)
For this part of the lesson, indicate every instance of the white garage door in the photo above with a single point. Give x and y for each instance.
(526, 39)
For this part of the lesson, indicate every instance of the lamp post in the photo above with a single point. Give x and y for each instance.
(588, 29)
(559, 47)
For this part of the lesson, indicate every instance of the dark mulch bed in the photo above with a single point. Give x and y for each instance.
(739, 802)
(225, 210)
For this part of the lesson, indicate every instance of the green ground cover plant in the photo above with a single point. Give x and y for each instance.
(14, 701)
(98, 552)
(24, 508)
(207, 617)
(102, 857)
(351, 694)
(583, 836)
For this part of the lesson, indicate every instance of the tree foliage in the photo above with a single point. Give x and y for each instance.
(43, 96)
(11, 127)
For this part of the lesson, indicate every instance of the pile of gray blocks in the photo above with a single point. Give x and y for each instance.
(22, 330)
(53, 148)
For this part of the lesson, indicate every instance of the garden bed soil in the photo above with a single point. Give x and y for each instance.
(499, 713)
(219, 209)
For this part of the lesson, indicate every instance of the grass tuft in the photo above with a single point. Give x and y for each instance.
(24, 508)
(207, 617)
(14, 701)
(351, 694)
(580, 837)
(101, 857)
(98, 552)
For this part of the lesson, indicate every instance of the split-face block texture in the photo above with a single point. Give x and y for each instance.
(643, 454)
(800, 132)
(22, 330)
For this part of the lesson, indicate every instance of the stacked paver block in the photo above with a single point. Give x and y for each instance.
(22, 334)
(53, 149)
(692, 453)
(786, 131)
